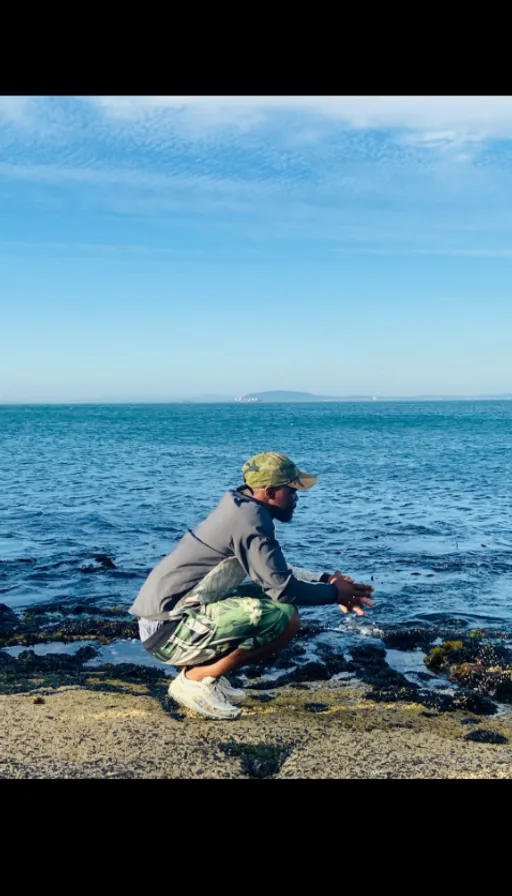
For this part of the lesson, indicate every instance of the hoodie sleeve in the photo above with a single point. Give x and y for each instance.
(258, 551)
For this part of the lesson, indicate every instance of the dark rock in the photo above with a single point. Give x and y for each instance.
(370, 666)
(312, 671)
(255, 671)
(470, 721)
(337, 663)
(476, 703)
(102, 561)
(6, 659)
(27, 660)
(83, 654)
(258, 760)
(409, 638)
(9, 621)
(433, 700)
(131, 671)
(487, 737)
(310, 628)
(477, 664)
(367, 652)
(264, 698)
(316, 707)
(39, 701)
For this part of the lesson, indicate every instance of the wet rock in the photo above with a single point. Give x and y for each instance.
(9, 621)
(28, 660)
(440, 657)
(288, 656)
(310, 628)
(370, 665)
(495, 682)
(410, 638)
(475, 663)
(483, 736)
(84, 654)
(255, 671)
(476, 703)
(264, 698)
(130, 671)
(367, 653)
(312, 671)
(470, 721)
(6, 659)
(101, 561)
(337, 663)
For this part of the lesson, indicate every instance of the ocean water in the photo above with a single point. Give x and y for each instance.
(416, 495)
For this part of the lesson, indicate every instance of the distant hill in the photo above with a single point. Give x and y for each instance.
(283, 395)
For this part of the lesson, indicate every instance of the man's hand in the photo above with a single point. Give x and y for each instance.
(351, 595)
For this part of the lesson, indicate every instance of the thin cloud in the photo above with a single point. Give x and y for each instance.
(464, 118)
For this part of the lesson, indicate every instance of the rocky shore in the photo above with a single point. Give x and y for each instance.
(323, 713)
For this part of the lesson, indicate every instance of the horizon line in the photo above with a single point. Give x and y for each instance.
(506, 396)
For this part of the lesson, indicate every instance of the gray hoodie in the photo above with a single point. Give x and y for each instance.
(240, 527)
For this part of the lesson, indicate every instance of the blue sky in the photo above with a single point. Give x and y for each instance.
(162, 247)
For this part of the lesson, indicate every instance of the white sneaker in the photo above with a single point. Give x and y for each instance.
(234, 695)
(204, 697)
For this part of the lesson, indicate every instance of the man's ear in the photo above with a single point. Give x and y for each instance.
(270, 492)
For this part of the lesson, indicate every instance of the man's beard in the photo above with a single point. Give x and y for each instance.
(284, 516)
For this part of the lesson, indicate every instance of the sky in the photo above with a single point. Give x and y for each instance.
(154, 248)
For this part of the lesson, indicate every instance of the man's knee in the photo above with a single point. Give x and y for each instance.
(293, 623)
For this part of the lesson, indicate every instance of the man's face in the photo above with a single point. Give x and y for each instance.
(284, 502)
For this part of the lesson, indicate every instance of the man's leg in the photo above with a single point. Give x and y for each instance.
(217, 638)
(240, 657)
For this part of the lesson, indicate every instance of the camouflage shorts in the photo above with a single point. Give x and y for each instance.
(215, 629)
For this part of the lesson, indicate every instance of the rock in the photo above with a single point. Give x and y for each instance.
(258, 760)
(477, 664)
(316, 707)
(433, 700)
(369, 663)
(102, 561)
(483, 736)
(409, 638)
(311, 671)
(9, 621)
(476, 703)
(441, 657)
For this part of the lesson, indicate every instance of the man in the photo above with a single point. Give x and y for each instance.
(195, 613)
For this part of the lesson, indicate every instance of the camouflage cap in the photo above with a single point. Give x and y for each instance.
(271, 468)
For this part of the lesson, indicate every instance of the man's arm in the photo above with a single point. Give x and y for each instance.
(260, 554)
(306, 575)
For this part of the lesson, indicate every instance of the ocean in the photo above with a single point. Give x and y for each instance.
(413, 496)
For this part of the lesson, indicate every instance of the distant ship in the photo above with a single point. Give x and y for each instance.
(247, 400)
